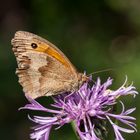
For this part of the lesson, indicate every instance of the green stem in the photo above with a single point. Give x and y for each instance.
(74, 129)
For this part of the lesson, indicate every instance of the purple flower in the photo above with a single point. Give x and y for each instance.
(89, 109)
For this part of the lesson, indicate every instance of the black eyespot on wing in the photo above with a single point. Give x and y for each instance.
(34, 45)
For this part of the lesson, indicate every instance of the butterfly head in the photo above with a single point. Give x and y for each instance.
(82, 78)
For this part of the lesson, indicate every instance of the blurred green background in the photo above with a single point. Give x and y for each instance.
(94, 34)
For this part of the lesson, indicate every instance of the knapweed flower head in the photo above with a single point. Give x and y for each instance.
(88, 109)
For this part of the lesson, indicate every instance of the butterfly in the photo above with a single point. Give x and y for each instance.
(43, 69)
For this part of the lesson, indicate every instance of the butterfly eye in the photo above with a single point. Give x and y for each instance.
(34, 45)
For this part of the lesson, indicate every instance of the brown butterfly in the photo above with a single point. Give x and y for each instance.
(43, 70)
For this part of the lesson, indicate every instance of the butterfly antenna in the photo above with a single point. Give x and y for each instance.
(110, 69)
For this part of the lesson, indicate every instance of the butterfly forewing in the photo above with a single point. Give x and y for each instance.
(43, 70)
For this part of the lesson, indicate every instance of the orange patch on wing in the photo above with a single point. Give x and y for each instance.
(52, 52)
(42, 48)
